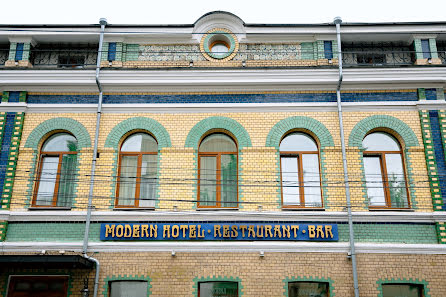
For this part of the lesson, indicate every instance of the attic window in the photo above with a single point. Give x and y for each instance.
(219, 45)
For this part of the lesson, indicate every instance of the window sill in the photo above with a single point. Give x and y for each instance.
(217, 208)
(392, 209)
(303, 208)
(48, 208)
(133, 208)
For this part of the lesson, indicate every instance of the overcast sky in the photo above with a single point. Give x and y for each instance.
(188, 11)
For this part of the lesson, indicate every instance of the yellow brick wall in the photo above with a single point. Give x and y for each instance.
(258, 163)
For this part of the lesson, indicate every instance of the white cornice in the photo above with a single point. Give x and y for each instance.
(300, 216)
(215, 80)
(226, 247)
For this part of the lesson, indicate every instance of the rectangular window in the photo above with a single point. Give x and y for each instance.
(128, 289)
(406, 290)
(19, 52)
(218, 289)
(111, 51)
(308, 289)
(426, 49)
(328, 49)
(38, 286)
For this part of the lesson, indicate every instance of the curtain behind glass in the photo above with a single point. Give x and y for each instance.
(307, 289)
(47, 181)
(208, 181)
(147, 189)
(290, 181)
(228, 180)
(401, 290)
(128, 289)
(127, 180)
(67, 180)
(312, 182)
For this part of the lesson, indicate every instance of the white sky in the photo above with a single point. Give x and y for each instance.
(188, 11)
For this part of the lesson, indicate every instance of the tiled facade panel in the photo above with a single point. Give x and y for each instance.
(259, 277)
(365, 96)
(257, 162)
(5, 145)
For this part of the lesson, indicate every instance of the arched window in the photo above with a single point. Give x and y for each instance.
(137, 172)
(217, 171)
(384, 171)
(57, 172)
(299, 163)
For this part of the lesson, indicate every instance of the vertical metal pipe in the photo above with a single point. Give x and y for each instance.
(338, 22)
(103, 23)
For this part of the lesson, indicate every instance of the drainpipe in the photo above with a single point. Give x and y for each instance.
(338, 22)
(103, 23)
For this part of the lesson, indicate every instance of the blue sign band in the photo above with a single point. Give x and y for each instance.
(219, 231)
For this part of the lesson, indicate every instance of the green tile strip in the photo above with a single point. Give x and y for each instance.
(402, 281)
(308, 279)
(5, 96)
(12, 160)
(431, 163)
(3, 229)
(441, 232)
(125, 277)
(217, 278)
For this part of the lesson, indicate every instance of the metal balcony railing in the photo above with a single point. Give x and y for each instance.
(64, 57)
(375, 55)
(441, 49)
(4, 54)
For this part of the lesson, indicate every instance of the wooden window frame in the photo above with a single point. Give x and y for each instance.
(382, 159)
(298, 156)
(44, 154)
(218, 174)
(138, 173)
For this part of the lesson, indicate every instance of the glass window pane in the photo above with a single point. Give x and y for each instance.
(208, 181)
(307, 289)
(218, 289)
(290, 181)
(312, 181)
(61, 142)
(147, 190)
(47, 181)
(298, 142)
(140, 142)
(228, 180)
(127, 180)
(67, 180)
(405, 290)
(374, 181)
(128, 289)
(380, 142)
(397, 182)
(218, 143)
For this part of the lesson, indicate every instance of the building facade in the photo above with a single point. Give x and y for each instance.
(214, 164)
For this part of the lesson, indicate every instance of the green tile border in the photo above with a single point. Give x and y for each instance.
(126, 277)
(217, 278)
(308, 279)
(381, 282)
(3, 230)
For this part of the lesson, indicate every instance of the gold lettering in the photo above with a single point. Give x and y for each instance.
(127, 231)
(184, 229)
(175, 231)
(286, 231)
(311, 232)
(136, 231)
(328, 230)
(277, 231)
(259, 231)
(234, 231)
(166, 231)
(217, 228)
(119, 230)
(243, 228)
(145, 230)
(110, 229)
(200, 234)
(226, 231)
(153, 230)
(295, 229)
(251, 231)
(192, 231)
(268, 229)
(319, 231)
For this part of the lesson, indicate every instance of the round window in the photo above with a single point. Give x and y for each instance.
(219, 45)
(219, 48)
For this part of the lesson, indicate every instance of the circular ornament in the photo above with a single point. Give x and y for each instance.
(219, 45)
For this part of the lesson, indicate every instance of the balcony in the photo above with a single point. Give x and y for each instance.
(377, 55)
